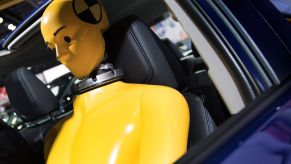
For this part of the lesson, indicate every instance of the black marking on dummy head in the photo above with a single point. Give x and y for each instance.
(89, 11)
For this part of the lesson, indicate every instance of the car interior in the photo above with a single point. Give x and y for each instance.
(130, 45)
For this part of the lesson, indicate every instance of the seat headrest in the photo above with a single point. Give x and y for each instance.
(30, 98)
(143, 57)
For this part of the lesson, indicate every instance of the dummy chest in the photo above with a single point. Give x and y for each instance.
(103, 129)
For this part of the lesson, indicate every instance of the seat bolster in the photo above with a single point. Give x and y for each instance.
(201, 123)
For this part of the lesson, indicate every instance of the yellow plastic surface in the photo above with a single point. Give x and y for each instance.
(79, 45)
(124, 123)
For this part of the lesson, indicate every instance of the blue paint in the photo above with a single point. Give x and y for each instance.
(269, 30)
(266, 140)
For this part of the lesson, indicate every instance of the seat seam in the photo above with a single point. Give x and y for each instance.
(209, 126)
(142, 51)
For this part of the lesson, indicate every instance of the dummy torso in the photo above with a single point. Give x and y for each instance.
(116, 123)
(124, 123)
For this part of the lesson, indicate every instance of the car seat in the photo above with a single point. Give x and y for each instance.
(32, 101)
(144, 58)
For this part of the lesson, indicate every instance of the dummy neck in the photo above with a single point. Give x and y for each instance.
(105, 74)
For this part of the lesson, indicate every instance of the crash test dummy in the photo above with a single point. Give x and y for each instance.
(113, 121)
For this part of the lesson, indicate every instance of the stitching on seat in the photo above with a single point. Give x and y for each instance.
(141, 50)
(208, 121)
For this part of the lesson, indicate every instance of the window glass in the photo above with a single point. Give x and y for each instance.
(6, 113)
(168, 28)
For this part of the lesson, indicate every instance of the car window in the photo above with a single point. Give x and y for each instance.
(6, 112)
(168, 28)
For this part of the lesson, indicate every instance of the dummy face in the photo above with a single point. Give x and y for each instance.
(79, 44)
(80, 49)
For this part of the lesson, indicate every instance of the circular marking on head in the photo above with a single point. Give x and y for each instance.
(89, 11)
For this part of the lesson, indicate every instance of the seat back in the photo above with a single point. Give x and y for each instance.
(144, 58)
(31, 100)
(132, 46)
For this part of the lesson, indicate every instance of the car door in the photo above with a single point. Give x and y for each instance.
(251, 40)
(261, 133)
(246, 51)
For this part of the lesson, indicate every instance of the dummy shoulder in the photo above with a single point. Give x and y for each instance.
(163, 98)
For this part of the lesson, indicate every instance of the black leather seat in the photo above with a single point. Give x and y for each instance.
(144, 58)
(132, 46)
(31, 100)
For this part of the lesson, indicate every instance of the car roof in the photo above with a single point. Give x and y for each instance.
(115, 9)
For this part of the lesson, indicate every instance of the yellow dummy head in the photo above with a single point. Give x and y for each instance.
(74, 28)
